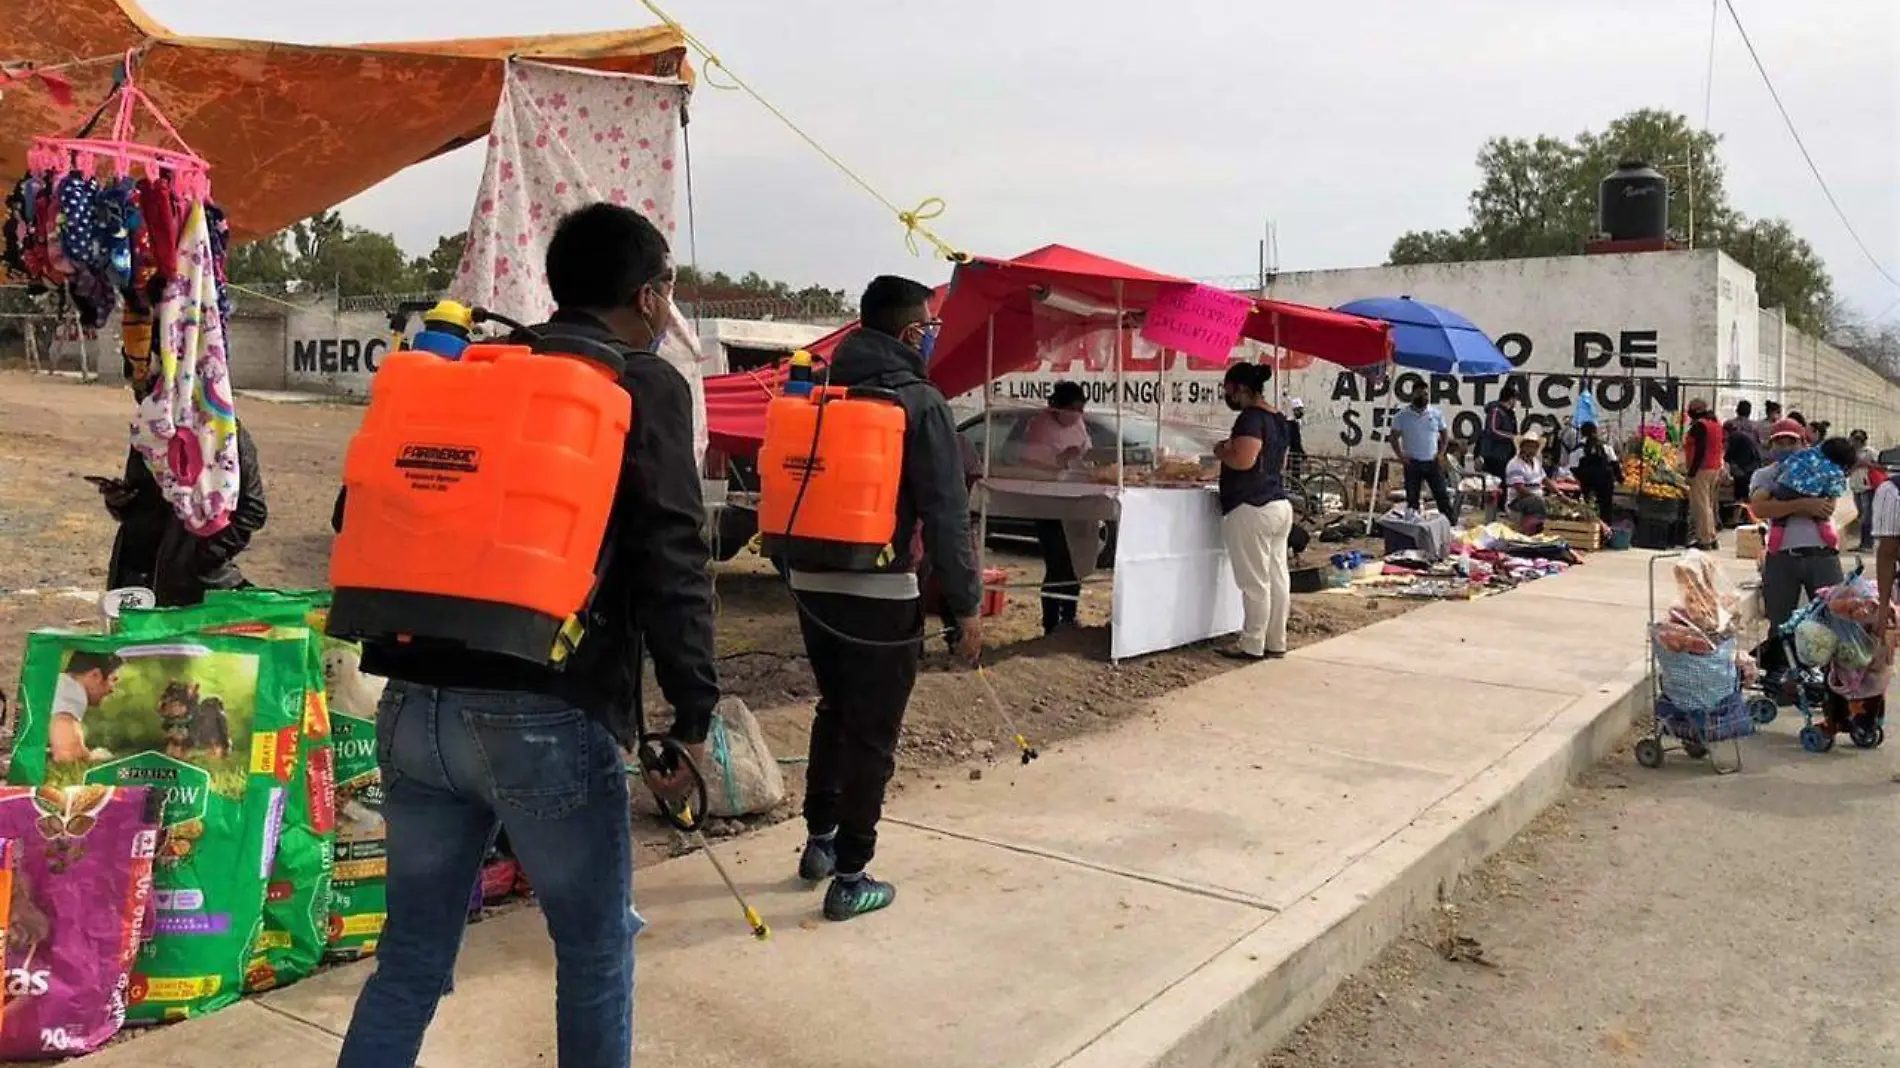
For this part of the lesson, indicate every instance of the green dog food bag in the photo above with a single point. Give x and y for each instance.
(358, 902)
(211, 721)
(297, 902)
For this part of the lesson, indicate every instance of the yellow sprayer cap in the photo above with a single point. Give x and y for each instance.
(448, 311)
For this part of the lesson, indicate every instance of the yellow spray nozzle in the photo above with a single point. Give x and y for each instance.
(759, 930)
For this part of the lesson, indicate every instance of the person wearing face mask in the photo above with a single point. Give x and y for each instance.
(1057, 439)
(1497, 442)
(1419, 439)
(864, 630)
(1801, 560)
(1256, 516)
(1295, 443)
(473, 742)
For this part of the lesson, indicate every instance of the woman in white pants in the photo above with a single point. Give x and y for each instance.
(1256, 516)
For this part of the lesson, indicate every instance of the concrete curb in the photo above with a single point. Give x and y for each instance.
(1239, 1006)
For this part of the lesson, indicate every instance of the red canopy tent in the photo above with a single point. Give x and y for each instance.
(998, 315)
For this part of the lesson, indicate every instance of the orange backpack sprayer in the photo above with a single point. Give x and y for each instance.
(829, 469)
(479, 492)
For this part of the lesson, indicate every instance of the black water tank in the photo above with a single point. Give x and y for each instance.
(1633, 203)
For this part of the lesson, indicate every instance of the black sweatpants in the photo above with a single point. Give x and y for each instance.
(1429, 474)
(1601, 490)
(862, 693)
(1060, 590)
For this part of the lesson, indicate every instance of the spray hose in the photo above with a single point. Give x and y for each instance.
(1027, 751)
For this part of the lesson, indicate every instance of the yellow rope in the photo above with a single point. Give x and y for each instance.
(913, 220)
(263, 296)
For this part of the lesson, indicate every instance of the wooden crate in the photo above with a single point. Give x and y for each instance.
(1585, 536)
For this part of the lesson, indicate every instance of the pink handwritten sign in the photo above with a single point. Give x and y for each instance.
(1199, 320)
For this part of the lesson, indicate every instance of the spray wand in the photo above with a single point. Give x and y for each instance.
(661, 755)
(1028, 751)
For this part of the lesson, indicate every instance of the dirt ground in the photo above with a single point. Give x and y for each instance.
(1655, 919)
(58, 538)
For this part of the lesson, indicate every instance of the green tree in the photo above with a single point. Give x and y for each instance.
(717, 287)
(266, 261)
(438, 268)
(1538, 197)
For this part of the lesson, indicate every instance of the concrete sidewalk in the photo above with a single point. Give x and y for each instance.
(1181, 891)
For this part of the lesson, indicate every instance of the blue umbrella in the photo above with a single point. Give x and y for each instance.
(1431, 338)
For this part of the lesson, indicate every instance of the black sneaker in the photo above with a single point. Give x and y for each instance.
(819, 859)
(850, 898)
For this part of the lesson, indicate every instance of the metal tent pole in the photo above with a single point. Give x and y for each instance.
(989, 447)
(1121, 471)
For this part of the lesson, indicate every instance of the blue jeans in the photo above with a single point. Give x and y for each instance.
(456, 765)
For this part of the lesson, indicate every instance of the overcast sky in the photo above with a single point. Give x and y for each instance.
(1167, 133)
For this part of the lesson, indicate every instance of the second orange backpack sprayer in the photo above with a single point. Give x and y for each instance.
(829, 471)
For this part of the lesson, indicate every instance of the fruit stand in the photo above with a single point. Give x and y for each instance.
(1654, 487)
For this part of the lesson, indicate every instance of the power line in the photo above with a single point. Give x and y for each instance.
(1798, 143)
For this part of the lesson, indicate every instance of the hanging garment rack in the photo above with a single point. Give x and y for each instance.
(189, 173)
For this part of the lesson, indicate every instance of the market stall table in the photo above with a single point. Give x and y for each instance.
(1173, 585)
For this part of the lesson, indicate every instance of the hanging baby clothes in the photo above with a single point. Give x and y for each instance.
(187, 427)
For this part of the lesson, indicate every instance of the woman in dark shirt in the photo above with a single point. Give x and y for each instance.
(1256, 516)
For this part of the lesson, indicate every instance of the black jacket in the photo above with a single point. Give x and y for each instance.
(655, 590)
(154, 549)
(933, 492)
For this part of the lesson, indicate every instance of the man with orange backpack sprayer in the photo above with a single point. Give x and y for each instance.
(473, 739)
(864, 627)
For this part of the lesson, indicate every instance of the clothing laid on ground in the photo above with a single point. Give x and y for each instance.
(455, 769)
(1256, 518)
(155, 549)
(655, 594)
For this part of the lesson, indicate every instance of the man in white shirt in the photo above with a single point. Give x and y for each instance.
(1419, 438)
(89, 679)
(1524, 478)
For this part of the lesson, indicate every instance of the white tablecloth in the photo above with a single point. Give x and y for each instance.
(1173, 584)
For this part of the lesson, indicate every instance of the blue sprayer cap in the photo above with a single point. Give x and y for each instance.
(440, 342)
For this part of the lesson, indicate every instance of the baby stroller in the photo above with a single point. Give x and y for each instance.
(1805, 685)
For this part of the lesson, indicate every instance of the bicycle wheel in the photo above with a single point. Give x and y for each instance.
(1319, 495)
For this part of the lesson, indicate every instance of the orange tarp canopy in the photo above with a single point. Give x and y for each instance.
(289, 130)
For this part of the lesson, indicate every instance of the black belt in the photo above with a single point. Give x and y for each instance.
(1808, 551)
